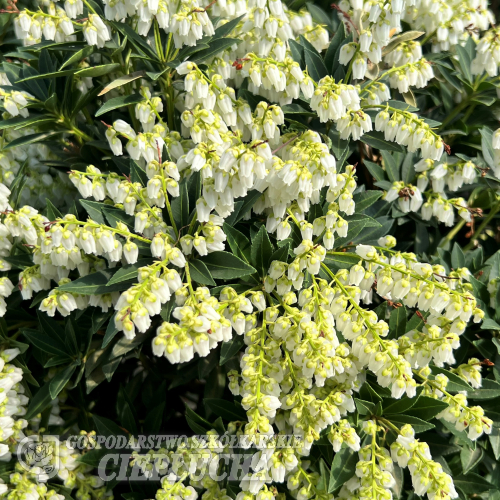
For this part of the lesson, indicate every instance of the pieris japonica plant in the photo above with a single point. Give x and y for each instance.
(257, 220)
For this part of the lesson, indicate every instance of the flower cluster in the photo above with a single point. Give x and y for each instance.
(378, 21)
(448, 23)
(496, 152)
(435, 204)
(55, 24)
(75, 475)
(204, 321)
(12, 404)
(279, 80)
(409, 130)
(427, 475)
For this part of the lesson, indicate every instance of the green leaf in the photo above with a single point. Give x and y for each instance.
(261, 251)
(460, 435)
(455, 383)
(225, 29)
(153, 421)
(122, 80)
(56, 361)
(399, 479)
(200, 273)
(297, 51)
(391, 166)
(114, 215)
(197, 423)
(19, 261)
(51, 211)
(39, 402)
(343, 468)
(127, 418)
(20, 54)
(118, 102)
(457, 257)
(345, 261)
(470, 458)
(129, 272)
(487, 147)
(18, 184)
(366, 199)
(94, 209)
(397, 322)
(408, 169)
(99, 317)
(465, 61)
(364, 407)
(320, 16)
(135, 39)
(230, 348)
(314, 63)
(60, 380)
(248, 202)
(238, 242)
(330, 60)
(224, 265)
(184, 374)
(137, 174)
(281, 254)
(93, 284)
(166, 309)
(479, 289)
(368, 393)
(490, 389)
(54, 74)
(109, 369)
(296, 109)
(375, 170)
(403, 106)
(225, 409)
(472, 484)
(398, 405)
(154, 75)
(94, 71)
(106, 427)
(31, 139)
(449, 76)
(92, 457)
(404, 37)
(180, 205)
(324, 481)
(494, 438)
(70, 337)
(357, 222)
(215, 46)
(490, 324)
(206, 365)
(370, 234)
(45, 343)
(376, 140)
(14, 122)
(427, 408)
(50, 327)
(124, 345)
(78, 56)
(484, 99)
(418, 424)
(416, 322)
